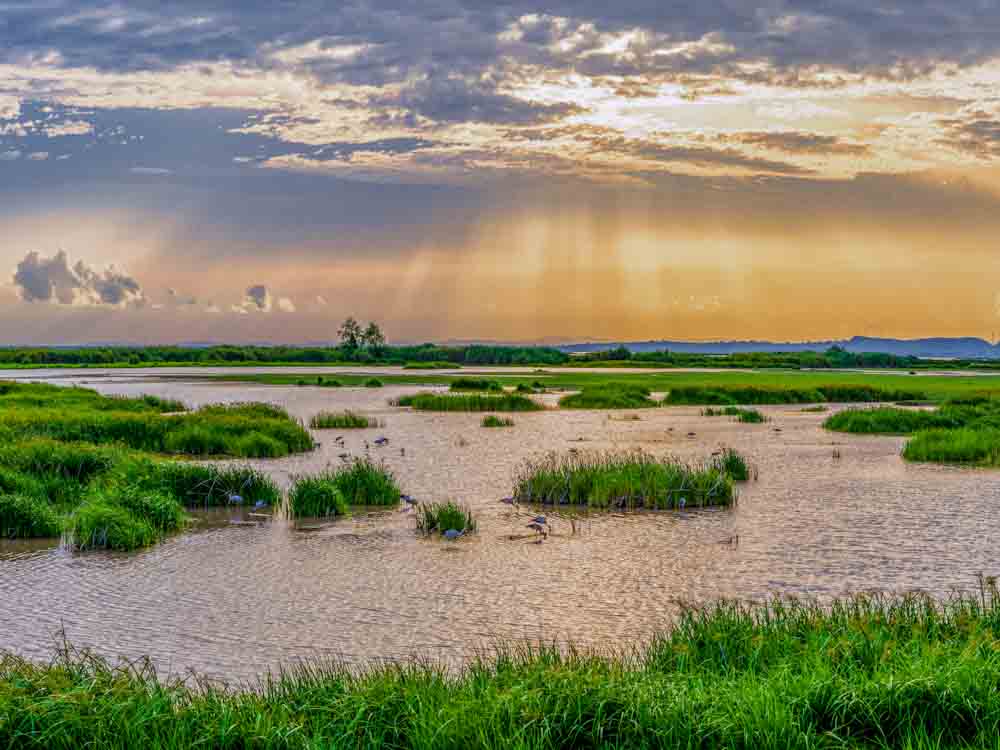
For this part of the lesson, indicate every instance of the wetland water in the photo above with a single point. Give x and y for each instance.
(234, 601)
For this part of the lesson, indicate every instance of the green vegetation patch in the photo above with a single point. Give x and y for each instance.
(962, 446)
(747, 416)
(431, 366)
(344, 420)
(963, 431)
(474, 384)
(27, 516)
(492, 420)
(316, 497)
(610, 396)
(866, 672)
(474, 402)
(442, 517)
(623, 480)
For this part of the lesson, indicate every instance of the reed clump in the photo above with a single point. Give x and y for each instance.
(345, 420)
(609, 396)
(431, 366)
(316, 497)
(757, 395)
(492, 420)
(886, 672)
(734, 465)
(746, 416)
(446, 516)
(374, 383)
(473, 402)
(623, 480)
(475, 384)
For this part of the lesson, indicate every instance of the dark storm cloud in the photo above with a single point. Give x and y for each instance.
(141, 141)
(454, 99)
(40, 279)
(792, 142)
(448, 36)
(978, 134)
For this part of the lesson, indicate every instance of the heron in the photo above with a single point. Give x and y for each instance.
(682, 503)
(453, 534)
(381, 441)
(235, 499)
(508, 500)
(540, 520)
(409, 500)
(260, 504)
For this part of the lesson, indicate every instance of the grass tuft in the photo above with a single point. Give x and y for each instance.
(346, 420)
(491, 420)
(475, 402)
(622, 480)
(442, 517)
(474, 384)
(610, 396)
(316, 497)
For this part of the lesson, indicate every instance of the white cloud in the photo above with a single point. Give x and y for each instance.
(150, 170)
(39, 156)
(53, 280)
(12, 155)
(70, 127)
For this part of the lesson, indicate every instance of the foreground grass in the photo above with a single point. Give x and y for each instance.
(361, 482)
(508, 402)
(867, 672)
(625, 480)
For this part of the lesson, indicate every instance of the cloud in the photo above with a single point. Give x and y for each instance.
(258, 298)
(12, 155)
(40, 279)
(976, 134)
(794, 142)
(456, 99)
(38, 156)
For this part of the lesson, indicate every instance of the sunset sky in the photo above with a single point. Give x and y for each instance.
(462, 169)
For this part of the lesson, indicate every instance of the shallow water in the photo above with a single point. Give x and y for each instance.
(233, 601)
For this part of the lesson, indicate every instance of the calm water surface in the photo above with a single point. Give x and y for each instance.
(233, 601)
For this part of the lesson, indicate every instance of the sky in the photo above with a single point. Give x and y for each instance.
(249, 171)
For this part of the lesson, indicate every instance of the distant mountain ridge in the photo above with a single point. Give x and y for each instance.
(944, 348)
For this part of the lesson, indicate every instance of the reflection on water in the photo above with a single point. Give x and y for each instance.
(235, 596)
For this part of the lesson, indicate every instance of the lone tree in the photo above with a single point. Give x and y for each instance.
(373, 337)
(351, 335)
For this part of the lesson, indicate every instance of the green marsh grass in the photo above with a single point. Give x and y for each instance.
(442, 517)
(474, 384)
(474, 402)
(961, 446)
(746, 416)
(197, 485)
(373, 383)
(365, 482)
(431, 366)
(492, 420)
(345, 420)
(98, 524)
(316, 497)
(889, 421)
(610, 396)
(695, 395)
(622, 480)
(865, 672)
(27, 516)
(734, 465)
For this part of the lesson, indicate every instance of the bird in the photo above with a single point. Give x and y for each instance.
(682, 503)
(345, 456)
(538, 528)
(381, 441)
(409, 500)
(508, 500)
(453, 534)
(235, 499)
(260, 504)
(539, 520)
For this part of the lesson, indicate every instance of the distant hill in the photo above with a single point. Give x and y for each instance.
(944, 348)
